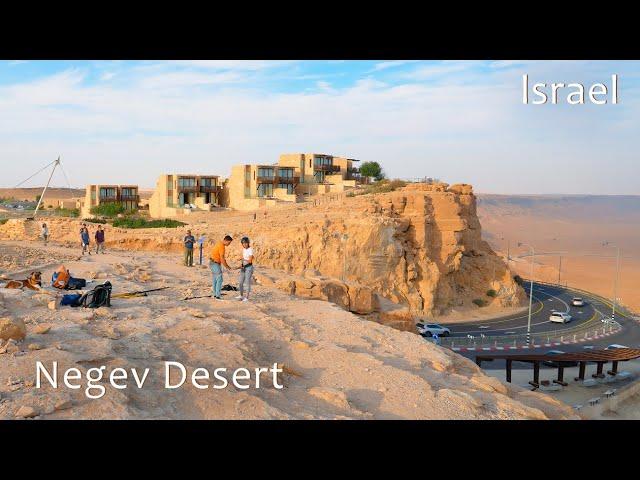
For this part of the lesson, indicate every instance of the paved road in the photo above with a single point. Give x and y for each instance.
(545, 299)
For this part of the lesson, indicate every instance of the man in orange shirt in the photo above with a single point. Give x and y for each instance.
(216, 262)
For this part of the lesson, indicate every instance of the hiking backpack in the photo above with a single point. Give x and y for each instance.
(60, 278)
(100, 296)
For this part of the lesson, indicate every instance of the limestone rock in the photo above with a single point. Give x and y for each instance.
(12, 328)
(331, 395)
(26, 411)
(42, 328)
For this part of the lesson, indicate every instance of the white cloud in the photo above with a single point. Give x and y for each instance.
(208, 119)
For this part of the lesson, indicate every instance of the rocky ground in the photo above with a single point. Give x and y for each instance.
(336, 364)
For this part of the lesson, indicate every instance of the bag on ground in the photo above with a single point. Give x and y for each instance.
(71, 299)
(60, 278)
(76, 283)
(100, 296)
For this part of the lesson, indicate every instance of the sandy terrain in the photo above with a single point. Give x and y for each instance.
(336, 364)
(575, 228)
(30, 194)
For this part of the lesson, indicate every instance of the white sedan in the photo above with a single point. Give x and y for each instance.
(429, 329)
(560, 317)
(577, 302)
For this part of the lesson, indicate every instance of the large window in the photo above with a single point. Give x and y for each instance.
(265, 190)
(289, 187)
(208, 182)
(107, 193)
(323, 161)
(186, 182)
(285, 172)
(266, 172)
(128, 192)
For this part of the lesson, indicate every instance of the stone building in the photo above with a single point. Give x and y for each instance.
(125, 195)
(177, 194)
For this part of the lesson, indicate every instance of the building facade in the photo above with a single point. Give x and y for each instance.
(321, 173)
(254, 186)
(125, 195)
(177, 194)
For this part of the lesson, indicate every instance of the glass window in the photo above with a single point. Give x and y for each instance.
(288, 187)
(285, 172)
(265, 190)
(266, 172)
(186, 182)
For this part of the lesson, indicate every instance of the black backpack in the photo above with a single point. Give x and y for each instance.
(100, 296)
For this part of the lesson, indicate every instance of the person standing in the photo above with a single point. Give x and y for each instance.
(44, 233)
(246, 270)
(189, 241)
(84, 237)
(216, 261)
(99, 237)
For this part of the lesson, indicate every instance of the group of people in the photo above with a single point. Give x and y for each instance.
(217, 260)
(85, 239)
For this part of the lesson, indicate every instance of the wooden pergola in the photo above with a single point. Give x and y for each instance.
(564, 360)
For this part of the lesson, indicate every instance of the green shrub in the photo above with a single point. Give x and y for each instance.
(142, 223)
(383, 186)
(68, 212)
(480, 302)
(491, 293)
(108, 209)
(94, 220)
(3, 221)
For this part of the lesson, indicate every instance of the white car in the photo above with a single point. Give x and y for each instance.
(577, 302)
(615, 346)
(429, 329)
(559, 317)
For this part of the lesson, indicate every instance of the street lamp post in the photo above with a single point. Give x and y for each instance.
(615, 280)
(533, 254)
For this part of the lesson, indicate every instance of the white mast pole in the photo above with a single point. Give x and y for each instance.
(55, 164)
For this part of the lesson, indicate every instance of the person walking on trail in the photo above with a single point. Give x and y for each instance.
(246, 270)
(99, 237)
(189, 241)
(44, 233)
(84, 237)
(216, 261)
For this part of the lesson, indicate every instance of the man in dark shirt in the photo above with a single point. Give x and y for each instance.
(189, 241)
(99, 240)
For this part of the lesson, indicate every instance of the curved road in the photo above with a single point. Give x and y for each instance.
(547, 298)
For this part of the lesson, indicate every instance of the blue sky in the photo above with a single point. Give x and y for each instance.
(461, 121)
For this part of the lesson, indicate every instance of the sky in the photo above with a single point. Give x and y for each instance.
(459, 121)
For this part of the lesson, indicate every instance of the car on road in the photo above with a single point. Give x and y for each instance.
(577, 302)
(429, 329)
(552, 363)
(615, 346)
(559, 317)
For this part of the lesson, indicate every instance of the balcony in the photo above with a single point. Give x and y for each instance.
(130, 198)
(294, 179)
(327, 168)
(189, 189)
(266, 178)
(108, 198)
(210, 188)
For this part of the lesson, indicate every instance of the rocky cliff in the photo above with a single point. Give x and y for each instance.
(420, 246)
